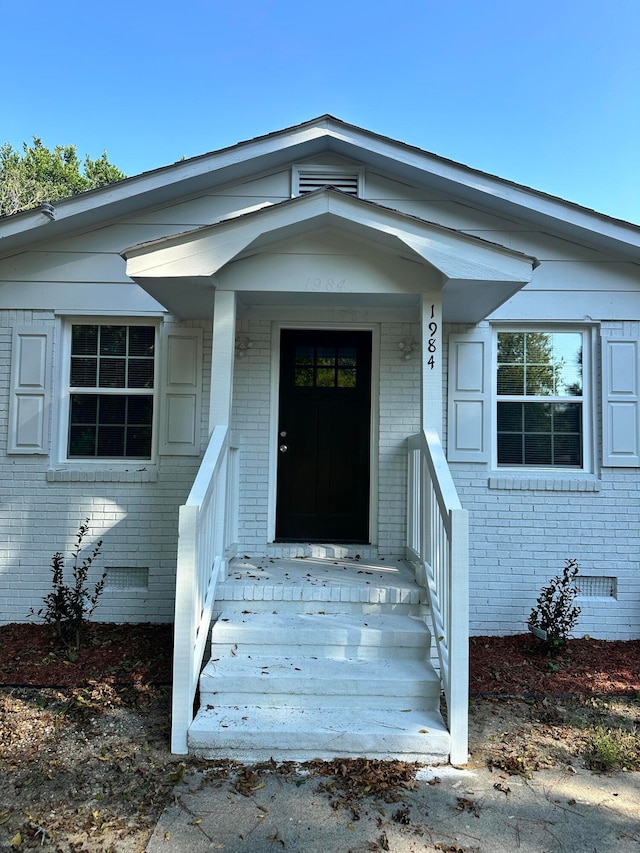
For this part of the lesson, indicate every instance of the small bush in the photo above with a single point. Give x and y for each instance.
(68, 607)
(555, 614)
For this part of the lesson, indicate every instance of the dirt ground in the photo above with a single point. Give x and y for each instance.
(84, 757)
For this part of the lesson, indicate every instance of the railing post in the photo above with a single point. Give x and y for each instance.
(426, 512)
(184, 630)
(202, 543)
(458, 705)
(442, 553)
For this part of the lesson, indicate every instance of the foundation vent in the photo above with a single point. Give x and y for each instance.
(131, 578)
(597, 587)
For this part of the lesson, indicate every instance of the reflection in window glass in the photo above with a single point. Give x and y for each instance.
(540, 364)
(325, 377)
(544, 427)
(325, 367)
(346, 377)
(113, 423)
(326, 356)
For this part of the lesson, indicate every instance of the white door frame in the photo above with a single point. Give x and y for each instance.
(276, 328)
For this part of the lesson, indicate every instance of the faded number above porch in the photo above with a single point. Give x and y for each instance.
(329, 248)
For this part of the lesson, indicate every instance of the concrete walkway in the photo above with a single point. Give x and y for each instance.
(450, 810)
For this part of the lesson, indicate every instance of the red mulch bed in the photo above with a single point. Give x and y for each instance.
(120, 654)
(142, 653)
(518, 666)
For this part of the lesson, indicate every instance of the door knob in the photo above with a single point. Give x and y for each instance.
(283, 448)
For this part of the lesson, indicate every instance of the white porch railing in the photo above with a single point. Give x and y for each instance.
(438, 542)
(205, 534)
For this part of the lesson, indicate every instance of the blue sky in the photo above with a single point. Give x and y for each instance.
(543, 93)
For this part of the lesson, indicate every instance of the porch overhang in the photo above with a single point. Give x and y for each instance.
(474, 275)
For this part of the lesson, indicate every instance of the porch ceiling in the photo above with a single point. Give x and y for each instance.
(474, 275)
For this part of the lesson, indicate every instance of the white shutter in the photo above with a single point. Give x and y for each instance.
(181, 392)
(30, 396)
(469, 397)
(620, 396)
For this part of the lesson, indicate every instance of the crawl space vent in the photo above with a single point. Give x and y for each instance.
(597, 587)
(127, 577)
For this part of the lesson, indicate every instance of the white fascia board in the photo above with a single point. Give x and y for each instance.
(206, 250)
(458, 260)
(106, 199)
(300, 142)
(522, 200)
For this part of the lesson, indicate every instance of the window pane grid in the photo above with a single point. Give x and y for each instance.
(539, 407)
(540, 434)
(325, 367)
(108, 426)
(106, 361)
(112, 357)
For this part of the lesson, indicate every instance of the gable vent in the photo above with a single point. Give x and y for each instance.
(306, 179)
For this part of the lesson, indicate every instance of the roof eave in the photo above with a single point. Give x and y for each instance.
(303, 141)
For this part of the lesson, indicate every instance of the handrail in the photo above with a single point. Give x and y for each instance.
(204, 537)
(438, 542)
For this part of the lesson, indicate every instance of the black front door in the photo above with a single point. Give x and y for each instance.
(324, 436)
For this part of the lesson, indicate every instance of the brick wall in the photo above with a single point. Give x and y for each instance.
(523, 528)
(398, 417)
(134, 512)
(520, 538)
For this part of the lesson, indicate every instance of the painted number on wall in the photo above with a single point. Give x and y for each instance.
(431, 343)
(316, 284)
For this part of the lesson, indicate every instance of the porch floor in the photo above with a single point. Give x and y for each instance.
(362, 578)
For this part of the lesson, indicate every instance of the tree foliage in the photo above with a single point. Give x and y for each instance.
(39, 174)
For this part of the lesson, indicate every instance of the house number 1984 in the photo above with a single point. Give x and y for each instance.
(431, 343)
(329, 284)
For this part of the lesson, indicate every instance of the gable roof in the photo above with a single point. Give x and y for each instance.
(462, 260)
(303, 141)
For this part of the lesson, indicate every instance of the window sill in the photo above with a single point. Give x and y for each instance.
(545, 483)
(142, 474)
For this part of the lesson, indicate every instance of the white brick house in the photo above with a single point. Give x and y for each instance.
(312, 299)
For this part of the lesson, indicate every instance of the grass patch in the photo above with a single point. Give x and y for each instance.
(612, 749)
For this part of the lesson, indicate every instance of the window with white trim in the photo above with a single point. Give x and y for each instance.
(111, 381)
(541, 413)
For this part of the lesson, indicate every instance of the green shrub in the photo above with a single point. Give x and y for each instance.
(68, 607)
(555, 615)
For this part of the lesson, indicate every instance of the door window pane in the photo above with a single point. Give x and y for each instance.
(325, 367)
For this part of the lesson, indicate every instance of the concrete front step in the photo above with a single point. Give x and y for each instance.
(311, 682)
(323, 633)
(285, 584)
(251, 733)
(357, 599)
(289, 550)
(318, 657)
